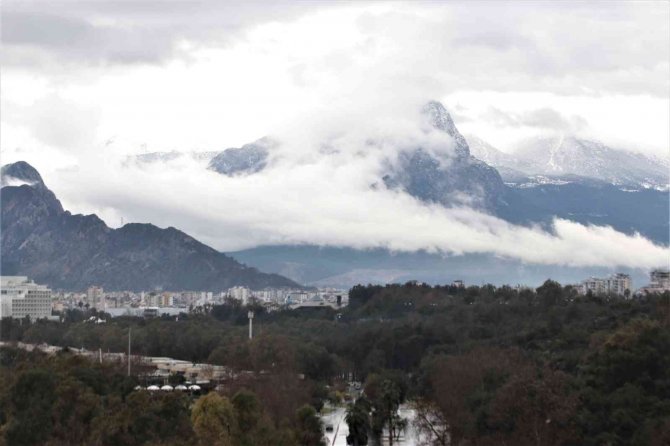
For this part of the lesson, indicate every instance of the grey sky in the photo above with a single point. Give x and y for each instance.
(614, 47)
(86, 84)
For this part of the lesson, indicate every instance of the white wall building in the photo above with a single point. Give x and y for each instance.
(240, 293)
(615, 284)
(619, 284)
(20, 297)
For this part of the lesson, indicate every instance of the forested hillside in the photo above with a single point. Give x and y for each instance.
(481, 365)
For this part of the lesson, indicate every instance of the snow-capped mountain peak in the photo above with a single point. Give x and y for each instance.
(562, 155)
(440, 119)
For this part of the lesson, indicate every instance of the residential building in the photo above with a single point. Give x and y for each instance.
(240, 293)
(619, 284)
(166, 300)
(660, 282)
(95, 297)
(661, 278)
(20, 297)
(594, 285)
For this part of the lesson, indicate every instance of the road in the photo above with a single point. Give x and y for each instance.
(338, 437)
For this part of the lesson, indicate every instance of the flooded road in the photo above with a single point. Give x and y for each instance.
(338, 436)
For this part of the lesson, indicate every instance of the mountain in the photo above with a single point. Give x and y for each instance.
(562, 156)
(592, 159)
(52, 246)
(248, 159)
(502, 161)
(546, 178)
(458, 178)
(345, 267)
(643, 211)
(20, 173)
(153, 157)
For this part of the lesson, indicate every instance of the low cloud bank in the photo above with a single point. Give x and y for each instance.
(322, 186)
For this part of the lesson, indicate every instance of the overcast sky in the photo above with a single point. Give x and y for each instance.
(85, 84)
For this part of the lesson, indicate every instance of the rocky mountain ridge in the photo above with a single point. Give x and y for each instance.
(52, 246)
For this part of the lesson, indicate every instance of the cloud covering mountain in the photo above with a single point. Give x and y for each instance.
(340, 88)
(323, 187)
(565, 155)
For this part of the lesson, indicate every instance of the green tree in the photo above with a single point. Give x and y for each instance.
(386, 395)
(214, 421)
(75, 408)
(31, 399)
(248, 413)
(309, 428)
(550, 293)
(358, 420)
(626, 394)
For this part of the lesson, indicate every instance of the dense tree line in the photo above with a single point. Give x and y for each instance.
(481, 365)
(69, 400)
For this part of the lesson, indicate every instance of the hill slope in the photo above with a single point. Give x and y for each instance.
(43, 241)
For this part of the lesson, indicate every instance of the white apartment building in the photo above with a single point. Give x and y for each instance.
(594, 285)
(619, 283)
(240, 293)
(615, 284)
(20, 297)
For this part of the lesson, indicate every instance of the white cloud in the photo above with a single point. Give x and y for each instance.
(308, 195)
(633, 122)
(224, 81)
(343, 75)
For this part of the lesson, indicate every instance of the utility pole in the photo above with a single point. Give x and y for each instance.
(129, 331)
(250, 314)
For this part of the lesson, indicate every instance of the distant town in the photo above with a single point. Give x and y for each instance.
(21, 297)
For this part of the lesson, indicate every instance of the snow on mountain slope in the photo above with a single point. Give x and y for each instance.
(593, 159)
(459, 179)
(563, 156)
(508, 165)
(248, 159)
(153, 157)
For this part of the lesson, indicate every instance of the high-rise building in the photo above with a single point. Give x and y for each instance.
(240, 293)
(95, 296)
(20, 297)
(661, 278)
(166, 300)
